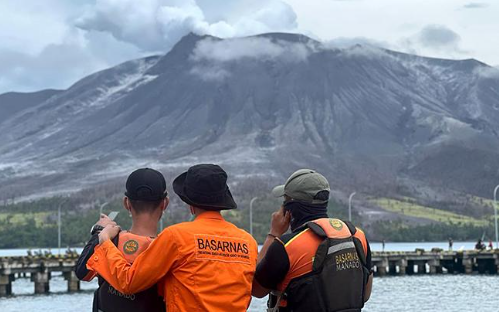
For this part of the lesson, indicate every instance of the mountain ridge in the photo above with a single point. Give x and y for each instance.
(366, 117)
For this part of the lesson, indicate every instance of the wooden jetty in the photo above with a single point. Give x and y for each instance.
(40, 268)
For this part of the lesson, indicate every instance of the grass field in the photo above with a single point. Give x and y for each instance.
(482, 201)
(414, 210)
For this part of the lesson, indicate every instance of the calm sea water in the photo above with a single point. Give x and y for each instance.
(405, 293)
(396, 246)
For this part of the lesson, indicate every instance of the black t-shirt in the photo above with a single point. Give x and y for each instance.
(273, 268)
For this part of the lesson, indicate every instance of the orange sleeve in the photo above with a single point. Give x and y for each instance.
(149, 267)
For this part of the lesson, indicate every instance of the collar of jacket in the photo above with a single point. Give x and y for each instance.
(209, 214)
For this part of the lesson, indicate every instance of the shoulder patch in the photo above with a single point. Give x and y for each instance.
(130, 247)
(336, 224)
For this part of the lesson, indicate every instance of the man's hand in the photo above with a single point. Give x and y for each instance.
(109, 232)
(104, 221)
(280, 222)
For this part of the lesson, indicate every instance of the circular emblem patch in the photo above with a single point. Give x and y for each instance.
(336, 224)
(130, 247)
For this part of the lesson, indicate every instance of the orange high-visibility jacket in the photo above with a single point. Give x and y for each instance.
(206, 265)
(130, 245)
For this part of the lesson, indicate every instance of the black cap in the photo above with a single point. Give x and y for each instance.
(146, 185)
(205, 186)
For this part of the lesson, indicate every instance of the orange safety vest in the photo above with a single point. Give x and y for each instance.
(207, 265)
(302, 248)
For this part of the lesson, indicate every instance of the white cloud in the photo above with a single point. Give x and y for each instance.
(345, 42)
(214, 72)
(434, 41)
(211, 55)
(51, 44)
(59, 65)
(366, 51)
(156, 25)
(438, 37)
(250, 47)
(475, 5)
(90, 35)
(488, 72)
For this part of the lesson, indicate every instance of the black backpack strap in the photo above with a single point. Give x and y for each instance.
(351, 227)
(316, 229)
(358, 244)
(116, 239)
(101, 281)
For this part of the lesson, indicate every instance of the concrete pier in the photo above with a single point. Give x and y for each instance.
(418, 262)
(436, 262)
(40, 269)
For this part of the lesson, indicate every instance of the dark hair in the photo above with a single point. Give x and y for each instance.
(145, 206)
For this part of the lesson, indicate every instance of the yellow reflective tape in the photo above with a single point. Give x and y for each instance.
(296, 236)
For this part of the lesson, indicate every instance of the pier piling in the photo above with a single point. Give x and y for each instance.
(42, 282)
(402, 266)
(5, 285)
(73, 281)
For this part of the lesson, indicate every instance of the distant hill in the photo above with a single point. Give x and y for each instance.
(371, 120)
(12, 103)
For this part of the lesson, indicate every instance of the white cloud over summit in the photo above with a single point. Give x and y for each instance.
(54, 43)
(156, 25)
(68, 40)
(212, 55)
(252, 48)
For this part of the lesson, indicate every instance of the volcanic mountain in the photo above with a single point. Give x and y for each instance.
(262, 106)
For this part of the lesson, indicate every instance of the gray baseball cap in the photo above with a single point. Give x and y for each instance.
(304, 185)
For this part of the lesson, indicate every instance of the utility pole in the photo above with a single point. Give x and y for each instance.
(102, 207)
(59, 225)
(350, 206)
(495, 215)
(251, 214)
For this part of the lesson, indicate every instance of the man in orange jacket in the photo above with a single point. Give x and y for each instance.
(207, 264)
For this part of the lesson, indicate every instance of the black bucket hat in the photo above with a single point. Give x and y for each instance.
(205, 186)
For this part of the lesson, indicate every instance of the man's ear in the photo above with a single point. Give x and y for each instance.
(126, 203)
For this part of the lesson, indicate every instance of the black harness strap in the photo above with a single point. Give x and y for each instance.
(351, 227)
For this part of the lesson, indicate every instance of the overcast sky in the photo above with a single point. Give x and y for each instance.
(53, 43)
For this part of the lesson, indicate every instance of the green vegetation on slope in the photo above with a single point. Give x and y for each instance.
(34, 224)
(409, 208)
(397, 231)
